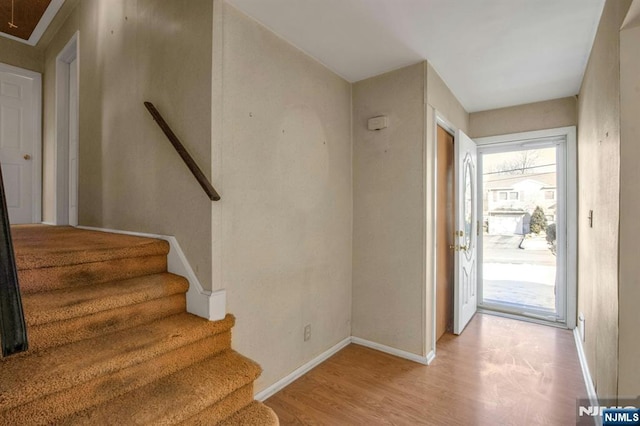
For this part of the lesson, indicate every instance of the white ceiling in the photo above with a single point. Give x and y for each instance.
(491, 53)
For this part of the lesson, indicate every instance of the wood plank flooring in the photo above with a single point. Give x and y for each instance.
(498, 372)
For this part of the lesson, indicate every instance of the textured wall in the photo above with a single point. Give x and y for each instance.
(524, 118)
(393, 234)
(599, 189)
(444, 101)
(388, 185)
(21, 55)
(629, 347)
(130, 176)
(286, 215)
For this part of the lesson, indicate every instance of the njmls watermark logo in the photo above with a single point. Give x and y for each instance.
(609, 412)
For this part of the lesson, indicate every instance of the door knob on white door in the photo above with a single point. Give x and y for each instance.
(27, 157)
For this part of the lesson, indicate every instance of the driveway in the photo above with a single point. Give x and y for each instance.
(519, 271)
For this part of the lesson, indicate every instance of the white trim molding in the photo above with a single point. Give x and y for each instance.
(588, 381)
(393, 351)
(200, 302)
(301, 371)
(62, 195)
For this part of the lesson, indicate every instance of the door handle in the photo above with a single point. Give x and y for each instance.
(464, 248)
(27, 157)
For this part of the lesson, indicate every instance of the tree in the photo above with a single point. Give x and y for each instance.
(519, 164)
(538, 221)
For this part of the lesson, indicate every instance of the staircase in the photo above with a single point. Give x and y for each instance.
(110, 341)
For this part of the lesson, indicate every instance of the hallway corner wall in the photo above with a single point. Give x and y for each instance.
(599, 190)
(130, 177)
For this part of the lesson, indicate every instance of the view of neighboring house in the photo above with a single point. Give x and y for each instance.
(509, 201)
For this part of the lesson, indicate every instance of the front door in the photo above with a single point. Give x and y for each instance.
(18, 134)
(465, 232)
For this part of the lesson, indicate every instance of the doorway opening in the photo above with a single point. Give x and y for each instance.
(66, 152)
(526, 247)
(445, 206)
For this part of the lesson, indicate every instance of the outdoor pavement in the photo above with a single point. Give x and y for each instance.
(519, 271)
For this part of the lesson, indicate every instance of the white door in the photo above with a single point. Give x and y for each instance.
(466, 229)
(17, 143)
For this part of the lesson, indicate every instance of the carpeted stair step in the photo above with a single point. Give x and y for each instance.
(255, 413)
(65, 245)
(60, 333)
(111, 342)
(67, 315)
(219, 384)
(65, 257)
(85, 369)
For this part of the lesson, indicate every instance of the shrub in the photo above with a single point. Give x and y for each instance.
(538, 221)
(551, 233)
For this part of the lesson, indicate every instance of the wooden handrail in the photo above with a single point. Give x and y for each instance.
(186, 157)
(13, 330)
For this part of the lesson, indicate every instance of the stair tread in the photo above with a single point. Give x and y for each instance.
(176, 397)
(73, 302)
(59, 368)
(255, 413)
(43, 246)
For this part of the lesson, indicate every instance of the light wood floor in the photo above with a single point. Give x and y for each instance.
(498, 372)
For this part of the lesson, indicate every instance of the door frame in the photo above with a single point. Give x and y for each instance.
(36, 172)
(569, 204)
(67, 55)
(434, 119)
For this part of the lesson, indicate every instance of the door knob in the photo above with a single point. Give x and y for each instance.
(27, 157)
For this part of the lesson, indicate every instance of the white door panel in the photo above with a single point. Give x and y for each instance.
(17, 142)
(466, 242)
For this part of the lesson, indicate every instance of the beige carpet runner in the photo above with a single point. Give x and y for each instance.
(111, 342)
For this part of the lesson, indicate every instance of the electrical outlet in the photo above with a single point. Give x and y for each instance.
(307, 332)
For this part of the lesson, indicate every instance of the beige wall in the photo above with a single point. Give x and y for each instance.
(629, 346)
(599, 186)
(388, 203)
(21, 55)
(392, 285)
(130, 176)
(524, 118)
(286, 214)
(440, 98)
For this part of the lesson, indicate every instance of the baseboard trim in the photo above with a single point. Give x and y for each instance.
(430, 357)
(393, 351)
(200, 302)
(591, 390)
(301, 371)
